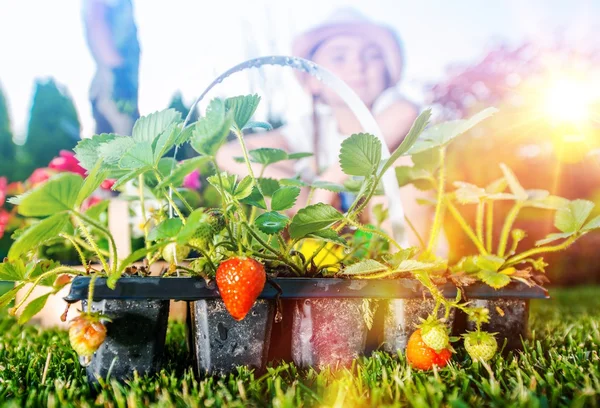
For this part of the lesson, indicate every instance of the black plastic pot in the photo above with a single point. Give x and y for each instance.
(221, 343)
(509, 311)
(135, 338)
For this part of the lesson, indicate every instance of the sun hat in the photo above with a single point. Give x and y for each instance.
(348, 21)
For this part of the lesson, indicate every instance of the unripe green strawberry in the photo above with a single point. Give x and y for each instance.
(480, 345)
(86, 334)
(174, 253)
(435, 334)
(203, 235)
(216, 219)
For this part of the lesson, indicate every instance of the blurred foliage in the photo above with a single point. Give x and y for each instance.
(7, 146)
(561, 156)
(53, 125)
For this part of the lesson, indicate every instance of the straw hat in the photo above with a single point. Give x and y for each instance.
(351, 22)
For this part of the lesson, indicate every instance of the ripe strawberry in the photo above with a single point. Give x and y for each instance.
(203, 235)
(435, 334)
(480, 345)
(86, 334)
(423, 357)
(174, 253)
(240, 280)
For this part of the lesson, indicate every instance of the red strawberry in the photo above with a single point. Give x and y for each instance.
(86, 334)
(423, 357)
(240, 281)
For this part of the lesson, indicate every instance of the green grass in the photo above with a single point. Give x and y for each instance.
(559, 367)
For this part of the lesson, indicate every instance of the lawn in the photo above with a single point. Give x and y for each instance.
(559, 367)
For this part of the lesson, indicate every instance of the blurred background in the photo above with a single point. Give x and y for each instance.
(537, 61)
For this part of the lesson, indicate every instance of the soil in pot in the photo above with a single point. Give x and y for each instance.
(328, 332)
(509, 318)
(135, 338)
(402, 318)
(220, 343)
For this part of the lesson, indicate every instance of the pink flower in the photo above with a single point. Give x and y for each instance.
(90, 202)
(192, 180)
(107, 184)
(4, 219)
(40, 176)
(3, 190)
(67, 162)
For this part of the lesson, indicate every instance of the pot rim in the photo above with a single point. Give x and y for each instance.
(193, 288)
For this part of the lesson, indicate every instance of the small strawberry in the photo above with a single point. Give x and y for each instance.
(480, 345)
(215, 218)
(203, 236)
(240, 280)
(86, 334)
(423, 357)
(174, 253)
(435, 334)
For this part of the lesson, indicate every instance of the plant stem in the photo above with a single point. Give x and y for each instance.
(414, 230)
(103, 229)
(544, 249)
(174, 190)
(240, 137)
(170, 200)
(205, 255)
(77, 248)
(144, 218)
(439, 205)
(489, 228)
(90, 239)
(479, 220)
(465, 226)
(91, 288)
(508, 223)
(285, 257)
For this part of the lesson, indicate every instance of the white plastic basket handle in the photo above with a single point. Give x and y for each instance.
(356, 105)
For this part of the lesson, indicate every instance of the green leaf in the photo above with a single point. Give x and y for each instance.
(87, 150)
(211, 130)
(513, 183)
(592, 224)
(299, 155)
(444, 133)
(137, 156)
(253, 125)
(33, 308)
(489, 262)
(191, 226)
(284, 198)
(95, 211)
(329, 186)
(244, 188)
(268, 186)
(255, 199)
(12, 271)
(313, 218)
(267, 155)
(329, 235)
(149, 127)
(413, 134)
(360, 154)
(91, 183)
(548, 202)
(243, 107)
(35, 269)
(56, 195)
(271, 222)
(494, 279)
(113, 150)
(8, 297)
(467, 193)
(572, 217)
(421, 179)
(129, 176)
(293, 182)
(182, 169)
(224, 185)
(169, 138)
(366, 267)
(409, 265)
(169, 228)
(37, 234)
(553, 237)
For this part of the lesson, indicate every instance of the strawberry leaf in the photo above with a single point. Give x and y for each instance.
(365, 268)
(87, 150)
(169, 228)
(37, 234)
(56, 195)
(267, 155)
(244, 188)
(494, 279)
(268, 186)
(254, 125)
(12, 271)
(594, 223)
(149, 127)
(33, 308)
(513, 183)
(572, 217)
(210, 132)
(360, 154)
(284, 198)
(329, 235)
(271, 222)
(182, 169)
(313, 218)
(242, 107)
(255, 199)
(553, 237)
(137, 156)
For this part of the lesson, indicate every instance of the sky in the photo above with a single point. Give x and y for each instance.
(186, 43)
